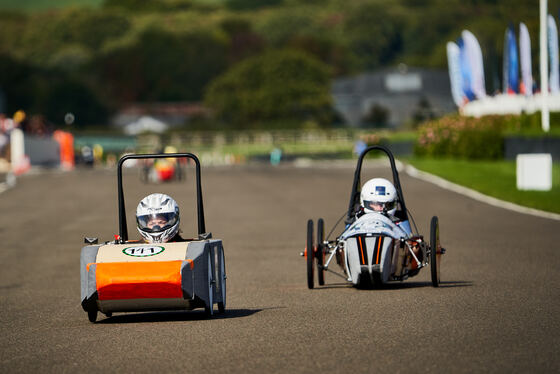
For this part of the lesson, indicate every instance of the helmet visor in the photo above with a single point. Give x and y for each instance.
(377, 206)
(156, 222)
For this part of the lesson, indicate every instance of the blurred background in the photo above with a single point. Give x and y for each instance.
(275, 81)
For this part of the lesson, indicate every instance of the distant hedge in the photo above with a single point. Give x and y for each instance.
(473, 138)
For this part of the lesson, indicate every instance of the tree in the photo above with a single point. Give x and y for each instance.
(14, 82)
(280, 85)
(163, 66)
(67, 95)
(243, 41)
(251, 4)
(373, 35)
(149, 5)
(90, 29)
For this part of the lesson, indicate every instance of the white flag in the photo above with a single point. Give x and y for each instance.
(455, 73)
(554, 80)
(525, 57)
(474, 55)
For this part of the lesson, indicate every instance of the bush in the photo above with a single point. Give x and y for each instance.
(464, 137)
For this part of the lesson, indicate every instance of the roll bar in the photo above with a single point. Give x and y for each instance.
(123, 230)
(356, 186)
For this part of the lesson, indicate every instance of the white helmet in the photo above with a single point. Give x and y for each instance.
(379, 195)
(157, 216)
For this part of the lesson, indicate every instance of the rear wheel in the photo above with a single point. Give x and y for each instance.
(222, 304)
(209, 308)
(320, 251)
(309, 250)
(435, 251)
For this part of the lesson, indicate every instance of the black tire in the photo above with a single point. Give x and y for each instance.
(364, 281)
(435, 252)
(222, 304)
(377, 281)
(310, 250)
(109, 314)
(92, 315)
(320, 251)
(209, 308)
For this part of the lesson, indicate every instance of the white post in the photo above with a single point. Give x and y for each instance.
(20, 162)
(534, 171)
(545, 117)
(17, 148)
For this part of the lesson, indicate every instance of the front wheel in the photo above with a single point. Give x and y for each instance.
(309, 250)
(320, 251)
(435, 251)
(92, 315)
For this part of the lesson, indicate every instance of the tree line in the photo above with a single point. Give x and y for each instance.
(252, 62)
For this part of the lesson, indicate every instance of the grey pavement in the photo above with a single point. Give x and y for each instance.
(496, 310)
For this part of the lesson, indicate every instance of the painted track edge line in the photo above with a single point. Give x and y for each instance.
(465, 191)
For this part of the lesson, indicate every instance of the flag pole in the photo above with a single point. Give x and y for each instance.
(545, 115)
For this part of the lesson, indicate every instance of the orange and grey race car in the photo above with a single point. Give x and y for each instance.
(128, 276)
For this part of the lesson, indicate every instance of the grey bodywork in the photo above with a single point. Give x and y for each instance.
(194, 281)
(372, 226)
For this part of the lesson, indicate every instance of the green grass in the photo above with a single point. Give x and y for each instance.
(493, 178)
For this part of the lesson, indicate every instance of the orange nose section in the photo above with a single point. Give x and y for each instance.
(139, 280)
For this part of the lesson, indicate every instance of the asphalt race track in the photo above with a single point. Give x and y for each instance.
(497, 310)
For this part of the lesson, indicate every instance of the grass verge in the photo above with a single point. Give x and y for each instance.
(493, 178)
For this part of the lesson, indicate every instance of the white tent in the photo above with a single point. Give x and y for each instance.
(145, 124)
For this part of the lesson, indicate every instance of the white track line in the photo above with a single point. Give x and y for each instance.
(413, 172)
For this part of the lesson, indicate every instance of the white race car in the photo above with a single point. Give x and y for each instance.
(374, 248)
(130, 276)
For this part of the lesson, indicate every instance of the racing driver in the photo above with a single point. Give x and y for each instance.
(157, 217)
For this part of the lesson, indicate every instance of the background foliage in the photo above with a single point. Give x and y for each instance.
(277, 86)
(113, 52)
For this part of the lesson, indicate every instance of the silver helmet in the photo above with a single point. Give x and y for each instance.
(157, 217)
